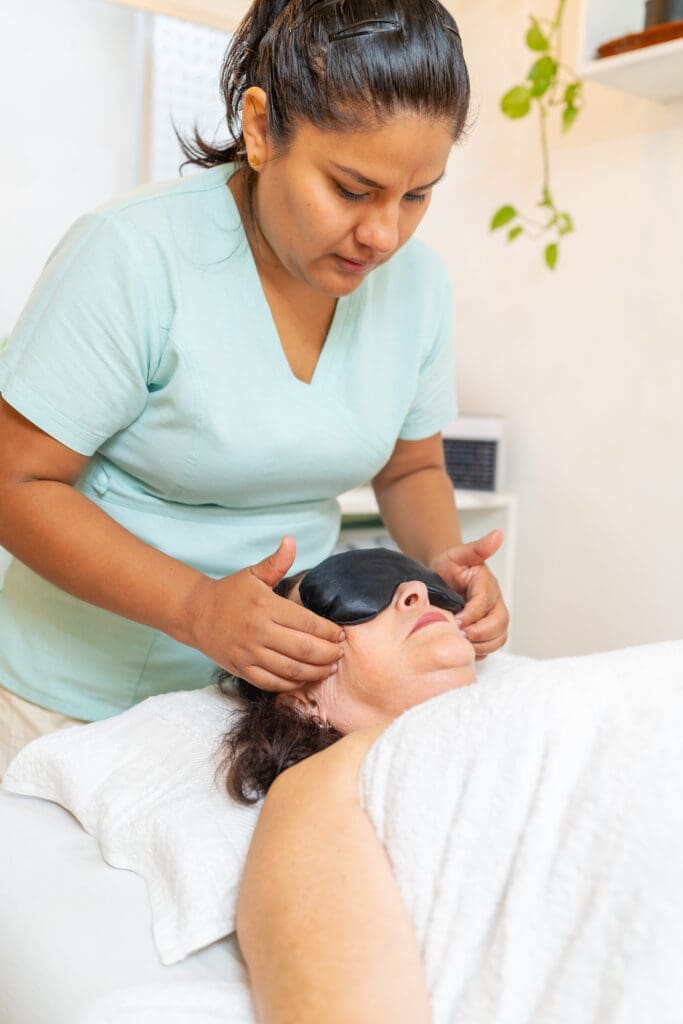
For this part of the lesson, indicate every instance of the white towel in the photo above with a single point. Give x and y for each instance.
(535, 825)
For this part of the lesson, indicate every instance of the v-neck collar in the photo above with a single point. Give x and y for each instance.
(332, 347)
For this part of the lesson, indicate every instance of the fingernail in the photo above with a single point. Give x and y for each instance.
(333, 669)
(342, 636)
(341, 655)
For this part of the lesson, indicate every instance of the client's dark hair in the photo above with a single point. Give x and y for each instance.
(265, 737)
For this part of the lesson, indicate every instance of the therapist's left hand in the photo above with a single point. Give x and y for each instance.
(484, 619)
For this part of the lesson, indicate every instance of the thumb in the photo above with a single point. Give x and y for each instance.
(478, 551)
(270, 570)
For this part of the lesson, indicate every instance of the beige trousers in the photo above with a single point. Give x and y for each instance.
(21, 722)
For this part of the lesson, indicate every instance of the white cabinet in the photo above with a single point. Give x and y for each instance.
(655, 71)
(480, 512)
(223, 14)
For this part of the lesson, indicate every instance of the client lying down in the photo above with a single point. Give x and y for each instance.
(506, 852)
(402, 647)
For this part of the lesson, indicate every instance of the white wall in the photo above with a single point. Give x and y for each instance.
(585, 364)
(70, 86)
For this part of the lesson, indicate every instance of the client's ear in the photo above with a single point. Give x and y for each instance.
(303, 700)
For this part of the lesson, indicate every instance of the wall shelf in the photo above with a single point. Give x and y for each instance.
(655, 72)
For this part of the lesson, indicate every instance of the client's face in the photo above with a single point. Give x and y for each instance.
(410, 651)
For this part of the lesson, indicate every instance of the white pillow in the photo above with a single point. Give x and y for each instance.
(144, 784)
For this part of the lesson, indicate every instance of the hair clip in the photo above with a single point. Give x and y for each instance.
(369, 27)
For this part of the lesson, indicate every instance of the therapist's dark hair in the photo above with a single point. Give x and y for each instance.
(265, 736)
(340, 65)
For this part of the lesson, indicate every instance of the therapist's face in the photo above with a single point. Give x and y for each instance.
(335, 205)
(408, 653)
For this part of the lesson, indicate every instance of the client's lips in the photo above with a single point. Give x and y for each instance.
(426, 620)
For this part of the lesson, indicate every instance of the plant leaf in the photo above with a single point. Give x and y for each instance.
(515, 232)
(545, 67)
(541, 75)
(571, 92)
(569, 115)
(565, 224)
(503, 217)
(517, 102)
(536, 38)
(540, 87)
(551, 253)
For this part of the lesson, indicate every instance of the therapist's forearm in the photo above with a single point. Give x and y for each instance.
(420, 513)
(66, 538)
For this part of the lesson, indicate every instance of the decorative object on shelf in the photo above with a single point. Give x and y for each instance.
(549, 83)
(650, 72)
(657, 12)
(637, 40)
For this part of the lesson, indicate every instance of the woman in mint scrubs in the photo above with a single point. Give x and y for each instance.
(205, 365)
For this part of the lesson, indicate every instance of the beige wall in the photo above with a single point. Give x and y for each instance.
(585, 364)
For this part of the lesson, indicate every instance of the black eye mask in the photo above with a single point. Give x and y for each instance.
(355, 586)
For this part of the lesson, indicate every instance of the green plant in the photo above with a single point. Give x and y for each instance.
(549, 84)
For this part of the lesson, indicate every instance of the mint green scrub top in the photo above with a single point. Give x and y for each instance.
(148, 345)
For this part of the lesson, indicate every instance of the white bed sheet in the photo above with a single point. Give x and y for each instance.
(73, 929)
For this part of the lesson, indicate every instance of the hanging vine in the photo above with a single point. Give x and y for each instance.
(550, 84)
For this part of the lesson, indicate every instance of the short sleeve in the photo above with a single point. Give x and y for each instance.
(435, 403)
(78, 362)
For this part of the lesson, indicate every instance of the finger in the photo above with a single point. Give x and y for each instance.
(481, 650)
(258, 676)
(482, 596)
(477, 551)
(491, 626)
(303, 648)
(457, 577)
(272, 569)
(290, 671)
(271, 681)
(493, 622)
(295, 616)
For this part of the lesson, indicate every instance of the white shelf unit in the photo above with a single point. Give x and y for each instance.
(480, 512)
(655, 72)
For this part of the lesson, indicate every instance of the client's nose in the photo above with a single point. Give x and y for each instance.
(411, 594)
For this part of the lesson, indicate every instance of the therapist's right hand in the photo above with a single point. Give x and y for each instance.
(250, 631)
